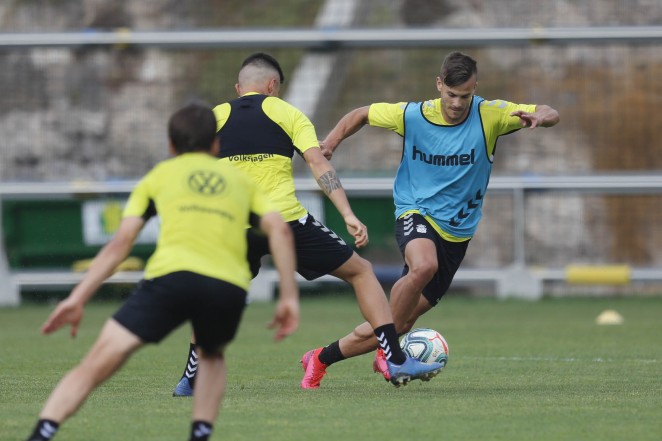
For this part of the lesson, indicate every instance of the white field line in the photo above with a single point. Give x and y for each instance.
(561, 359)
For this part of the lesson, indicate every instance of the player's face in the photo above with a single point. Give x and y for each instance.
(455, 101)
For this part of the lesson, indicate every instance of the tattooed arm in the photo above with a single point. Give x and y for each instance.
(330, 184)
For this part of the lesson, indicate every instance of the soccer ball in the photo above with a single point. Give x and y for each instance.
(426, 345)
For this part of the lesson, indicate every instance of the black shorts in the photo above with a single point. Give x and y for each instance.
(449, 254)
(319, 250)
(160, 305)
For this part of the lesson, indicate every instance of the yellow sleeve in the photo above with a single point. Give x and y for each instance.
(221, 112)
(140, 204)
(293, 122)
(497, 120)
(389, 116)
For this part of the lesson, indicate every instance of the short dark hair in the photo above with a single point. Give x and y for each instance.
(457, 69)
(265, 60)
(192, 128)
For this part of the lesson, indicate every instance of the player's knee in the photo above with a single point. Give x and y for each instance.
(211, 352)
(355, 267)
(363, 332)
(363, 265)
(424, 271)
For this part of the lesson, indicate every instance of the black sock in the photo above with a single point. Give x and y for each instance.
(191, 365)
(331, 354)
(388, 341)
(200, 431)
(44, 430)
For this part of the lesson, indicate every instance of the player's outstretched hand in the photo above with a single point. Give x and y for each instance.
(66, 312)
(527, 119)
(356, 228)
(286, 318)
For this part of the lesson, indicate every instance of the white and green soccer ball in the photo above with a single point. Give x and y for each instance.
(426, 345)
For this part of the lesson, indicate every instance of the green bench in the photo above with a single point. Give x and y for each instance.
(46, 236)
(47, 241)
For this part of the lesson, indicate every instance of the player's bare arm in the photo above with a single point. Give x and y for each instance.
(346, 127)
(328, 180)
(544, 116)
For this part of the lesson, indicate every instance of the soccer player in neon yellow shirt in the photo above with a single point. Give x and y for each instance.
(259, 134)
(198, 272)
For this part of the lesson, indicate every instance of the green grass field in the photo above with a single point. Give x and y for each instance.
(517, 371)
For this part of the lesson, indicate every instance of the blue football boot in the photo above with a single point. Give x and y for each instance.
(183, 388)
(412, 369)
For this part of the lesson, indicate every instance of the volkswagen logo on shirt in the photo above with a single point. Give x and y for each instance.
(206, 182)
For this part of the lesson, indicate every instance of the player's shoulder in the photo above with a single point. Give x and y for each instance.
(157, 175)
(162, 166)
(401, 105)
(431, 108)
(221, 110)
(280, 104)
(280, 110)
(500, 110)
(497, 105)
(393, 109)
(225, 105)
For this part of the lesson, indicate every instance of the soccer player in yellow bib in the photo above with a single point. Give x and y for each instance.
(198, 272)
(259, 134)
(448, 149)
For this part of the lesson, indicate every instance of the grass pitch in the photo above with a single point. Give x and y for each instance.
(517, 371)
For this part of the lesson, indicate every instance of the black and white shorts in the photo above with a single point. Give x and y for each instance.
(319, 250)
(449, 254)
(160, 305)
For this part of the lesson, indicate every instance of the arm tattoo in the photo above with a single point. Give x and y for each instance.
(329, 181)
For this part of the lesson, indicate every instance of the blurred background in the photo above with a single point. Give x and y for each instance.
(82, 109)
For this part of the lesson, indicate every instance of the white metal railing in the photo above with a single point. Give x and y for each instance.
(334, 38)
(607, 183)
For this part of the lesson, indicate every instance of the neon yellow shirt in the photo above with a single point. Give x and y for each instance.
(259, 135)
(203, 206)
(495, 117)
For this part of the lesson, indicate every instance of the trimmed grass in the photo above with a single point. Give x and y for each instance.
(517, 371)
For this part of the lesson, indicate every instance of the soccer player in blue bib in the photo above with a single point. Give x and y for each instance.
(439, 188)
